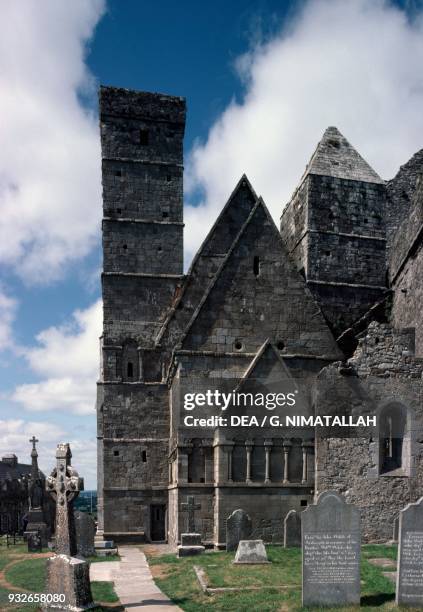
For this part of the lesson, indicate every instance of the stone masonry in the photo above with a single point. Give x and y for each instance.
(256, 304)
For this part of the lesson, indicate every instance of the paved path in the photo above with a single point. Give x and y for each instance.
(134, 584)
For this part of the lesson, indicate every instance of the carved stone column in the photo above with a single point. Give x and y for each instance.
(286, 446)
(249, 448)
(267, 449)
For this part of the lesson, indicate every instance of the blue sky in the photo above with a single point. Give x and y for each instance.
(262, 80)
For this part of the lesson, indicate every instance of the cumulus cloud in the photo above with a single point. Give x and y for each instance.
(67, 360)
(8, 306)
(49, 155)
(356, 65)
(15, 435)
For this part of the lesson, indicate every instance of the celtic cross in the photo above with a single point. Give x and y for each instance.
(64, 486)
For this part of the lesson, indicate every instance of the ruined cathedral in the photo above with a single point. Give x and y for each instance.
(332, 298)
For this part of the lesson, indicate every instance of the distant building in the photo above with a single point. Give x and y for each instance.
(14, 480)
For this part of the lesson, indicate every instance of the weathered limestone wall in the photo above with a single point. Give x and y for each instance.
(334, 229)
(142, 167)
(406, 264)
(385, 373)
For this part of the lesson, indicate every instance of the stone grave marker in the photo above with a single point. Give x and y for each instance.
(251, 552)
(34, 542)
(238, 527)
(292, 529)
(66, 574)
(331, 538)
(409, 591)
(190, 541)
(85, 534)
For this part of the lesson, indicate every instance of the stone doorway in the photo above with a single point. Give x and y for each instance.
(158, 522)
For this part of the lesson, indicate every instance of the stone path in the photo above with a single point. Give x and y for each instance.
(385, 563)
(134, 584)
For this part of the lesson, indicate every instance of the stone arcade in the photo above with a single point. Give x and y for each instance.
(333, 299)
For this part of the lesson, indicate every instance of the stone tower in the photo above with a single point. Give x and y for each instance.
(142, 168)
(334, 228)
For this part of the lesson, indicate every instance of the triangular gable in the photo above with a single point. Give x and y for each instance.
(208, 258)
(267, 365)
(241, 308)
(335, 156)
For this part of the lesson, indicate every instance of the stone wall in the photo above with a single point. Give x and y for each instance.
(384, 372)
(406, 263)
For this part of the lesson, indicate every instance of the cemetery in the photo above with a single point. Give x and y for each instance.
(322, 563)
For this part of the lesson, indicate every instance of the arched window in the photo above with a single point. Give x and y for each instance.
(394, 443)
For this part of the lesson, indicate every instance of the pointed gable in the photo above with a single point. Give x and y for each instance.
(335, 156)
(208, 259)
(258, 294)
(267, 365)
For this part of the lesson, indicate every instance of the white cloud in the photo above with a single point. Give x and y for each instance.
(8, 306)
(15, 435)
(49, 155)
(356, 65)
(67, 359)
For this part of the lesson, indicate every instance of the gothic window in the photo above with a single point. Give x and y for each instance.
(130, 370)
(393, 439)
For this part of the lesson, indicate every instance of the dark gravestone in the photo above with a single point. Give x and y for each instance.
(34, 542)
(395, 531)
(331, 539)
(238, 527)
(409, 590)
(292, 529)
(85, 534)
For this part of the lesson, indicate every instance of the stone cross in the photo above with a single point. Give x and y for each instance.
(64, 486)
(189, 507)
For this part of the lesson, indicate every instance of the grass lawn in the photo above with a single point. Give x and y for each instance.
(177, 579)
(30, 575)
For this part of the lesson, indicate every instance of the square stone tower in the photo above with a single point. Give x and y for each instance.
(142, 168)
(335, 230)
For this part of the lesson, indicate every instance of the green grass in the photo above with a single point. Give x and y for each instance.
(103, 591)
(30, 574)
(177, 579)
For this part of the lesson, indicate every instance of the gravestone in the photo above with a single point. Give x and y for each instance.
(34, 542)
(238, 527)
(395, 531)
(66, 574)
(190, 541)
(331, 538)
(251, 552)
(85, 534)
(292, 529)
(409, 591)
